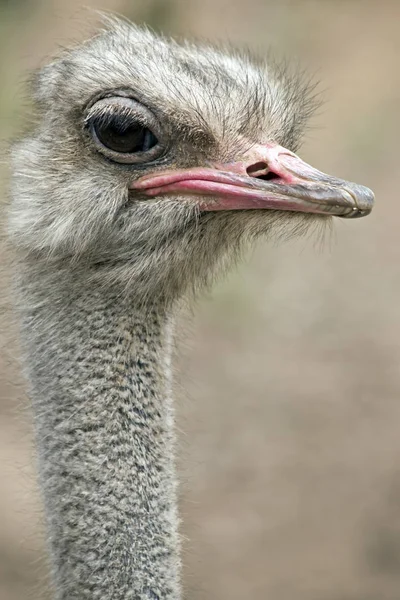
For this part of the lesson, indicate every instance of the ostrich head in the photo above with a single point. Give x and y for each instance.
(152, 162)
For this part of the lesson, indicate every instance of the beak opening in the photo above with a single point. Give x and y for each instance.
(268, 177)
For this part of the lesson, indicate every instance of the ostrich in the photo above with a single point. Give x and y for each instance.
(150, 166)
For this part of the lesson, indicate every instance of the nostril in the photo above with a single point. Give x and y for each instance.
(257, 169)
(260, 170)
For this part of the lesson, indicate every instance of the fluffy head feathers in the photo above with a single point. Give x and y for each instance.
(71, 206)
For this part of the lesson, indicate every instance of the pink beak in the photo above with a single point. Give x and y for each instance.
(268, 177)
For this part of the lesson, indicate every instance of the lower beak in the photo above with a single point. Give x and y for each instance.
(268, 177)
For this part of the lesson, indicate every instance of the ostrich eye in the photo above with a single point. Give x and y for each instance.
(121, 134)
(123, 130)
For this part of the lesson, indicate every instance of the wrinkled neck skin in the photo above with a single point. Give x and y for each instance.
(98, 369)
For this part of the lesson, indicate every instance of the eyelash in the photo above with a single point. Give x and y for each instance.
(110, 115)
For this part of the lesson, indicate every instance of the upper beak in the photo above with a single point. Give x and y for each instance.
(268, 177)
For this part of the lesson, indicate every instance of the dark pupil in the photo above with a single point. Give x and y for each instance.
(125, 136)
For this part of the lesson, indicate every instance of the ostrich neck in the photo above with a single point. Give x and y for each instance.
(98, 370)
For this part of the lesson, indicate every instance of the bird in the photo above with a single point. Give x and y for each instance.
(150, 166)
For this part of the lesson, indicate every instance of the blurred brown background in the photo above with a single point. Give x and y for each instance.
(290, 419)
